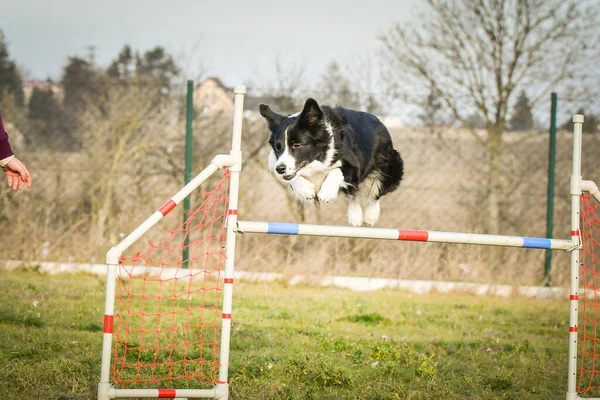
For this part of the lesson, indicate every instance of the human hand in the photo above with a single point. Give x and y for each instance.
(17, 174)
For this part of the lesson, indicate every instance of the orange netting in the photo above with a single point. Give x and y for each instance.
(589, 370)
(167, 311)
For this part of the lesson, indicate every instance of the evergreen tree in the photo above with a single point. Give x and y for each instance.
(44, 117)
(80, 83)
(474, 121)
(123, 66)
(372, 105)
(10, 78)
(522, 118)
(157, 66)
(432, 109)
(83, 88)
(42, 104)
(590, 122)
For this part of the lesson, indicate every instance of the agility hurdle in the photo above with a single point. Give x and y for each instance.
(232, 162)
(578, 187)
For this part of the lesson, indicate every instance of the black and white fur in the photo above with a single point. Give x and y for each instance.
(323, 150)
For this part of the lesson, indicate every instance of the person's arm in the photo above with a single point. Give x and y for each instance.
(16, 173)
(6, 153)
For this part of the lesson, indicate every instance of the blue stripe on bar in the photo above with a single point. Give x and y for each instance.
(536, 243)
(283, 228)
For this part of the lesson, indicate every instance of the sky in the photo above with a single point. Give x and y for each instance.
(237, 41)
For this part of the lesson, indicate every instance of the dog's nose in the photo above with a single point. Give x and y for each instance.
(280, 169)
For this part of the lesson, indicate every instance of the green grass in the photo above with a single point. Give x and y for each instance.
(304, 343)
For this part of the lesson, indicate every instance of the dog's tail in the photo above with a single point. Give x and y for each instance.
(392, 172)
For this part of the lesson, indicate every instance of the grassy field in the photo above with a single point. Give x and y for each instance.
(304, 343)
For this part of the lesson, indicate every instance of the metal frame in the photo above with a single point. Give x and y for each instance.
(234, 162)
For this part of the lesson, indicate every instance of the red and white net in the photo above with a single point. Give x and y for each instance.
(589, 368)
(168, 306)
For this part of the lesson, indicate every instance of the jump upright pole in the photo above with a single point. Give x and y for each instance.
(576, 190)
(234, 183)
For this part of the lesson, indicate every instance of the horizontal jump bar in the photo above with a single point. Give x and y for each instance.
(284, 228)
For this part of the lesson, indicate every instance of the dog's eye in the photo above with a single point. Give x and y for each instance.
(296, 146)
(278, 146)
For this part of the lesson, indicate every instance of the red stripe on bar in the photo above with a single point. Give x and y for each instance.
(167, 393)
(167, 207)
(226, 316)
(232, 212)
(574, 233)
(574, 297)
(407, 234)
(228, 280)
(572, 329)
(222, 382)
(108, 323)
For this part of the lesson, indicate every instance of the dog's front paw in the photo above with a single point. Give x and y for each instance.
(303, 189)
(328, 192)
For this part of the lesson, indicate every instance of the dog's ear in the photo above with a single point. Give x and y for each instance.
(273, 119)
(311, 115)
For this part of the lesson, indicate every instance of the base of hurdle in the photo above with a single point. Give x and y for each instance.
(165, 393)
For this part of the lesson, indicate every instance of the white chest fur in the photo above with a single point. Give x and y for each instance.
(316, 172)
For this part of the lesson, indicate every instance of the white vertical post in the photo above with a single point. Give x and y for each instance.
(575, 254)
(234, 179)
(112, 261)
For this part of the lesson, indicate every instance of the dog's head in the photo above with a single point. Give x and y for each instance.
(297, 140)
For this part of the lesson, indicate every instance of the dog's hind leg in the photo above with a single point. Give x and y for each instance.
(371, 212)
(355, 213)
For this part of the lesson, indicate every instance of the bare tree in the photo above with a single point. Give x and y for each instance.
(335, 89)
(285, 92)
(477, 55)
(286, 88)
(363, 72)
(126, 143)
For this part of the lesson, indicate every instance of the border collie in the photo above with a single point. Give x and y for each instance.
(323, 150)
